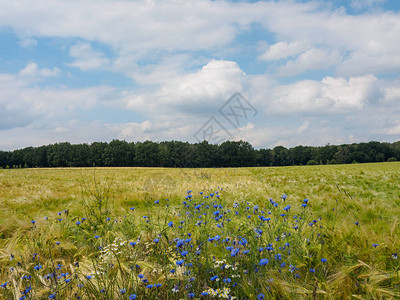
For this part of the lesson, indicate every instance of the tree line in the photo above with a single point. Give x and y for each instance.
(119, 153)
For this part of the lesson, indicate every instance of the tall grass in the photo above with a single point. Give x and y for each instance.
(226, 238)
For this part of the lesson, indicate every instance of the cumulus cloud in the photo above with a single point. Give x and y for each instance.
(312, 59)
(32, 70)
(22, 103)
(283, 50)
(202, 91)
(134, 131)
(28, 43)
(330, 95)
(85, 58)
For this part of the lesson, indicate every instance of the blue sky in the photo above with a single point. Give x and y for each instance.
(315, 72)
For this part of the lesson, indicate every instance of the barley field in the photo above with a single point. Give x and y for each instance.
(307, 232)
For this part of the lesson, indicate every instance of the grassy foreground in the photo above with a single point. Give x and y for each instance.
(136, 233)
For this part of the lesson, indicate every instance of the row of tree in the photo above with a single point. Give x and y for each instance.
(182, 154)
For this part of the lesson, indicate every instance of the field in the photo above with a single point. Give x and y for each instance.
(308, 232)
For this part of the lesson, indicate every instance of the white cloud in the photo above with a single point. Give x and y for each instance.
(303, 126)
(331, 95)
(361, 4)
(32, 70)
(134, 131)
(312, 59)
(23, 103)
(27, 43)
(85, 58)
(283, 50)
(201, 91)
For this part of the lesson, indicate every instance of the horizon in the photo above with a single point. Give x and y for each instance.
(272, 73)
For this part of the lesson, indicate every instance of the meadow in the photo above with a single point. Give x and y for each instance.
(306, 232)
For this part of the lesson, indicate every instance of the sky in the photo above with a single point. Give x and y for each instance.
(269, 72)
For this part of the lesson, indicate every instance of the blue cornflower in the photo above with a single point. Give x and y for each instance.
(260, 296)
(156, 240)
(122, 291)
(180, 262)
(184, 253)
(171, 224)
(141, 276)
(204, 293)
(374, 245)
(88, 277)
(287, 208)
(227, 280)
(214, 278)
(263, 262)
(52, 296)
(191, 295)
(149, 286)
(132, 297)
(3, 285)
(324, 260)
(312, 270)
(132, 208)
(78, 223)
(96, 236)
(284, 197)
(33, 222)
(38, 267)
(172, 271)
(157, 201)
(133, 244)
(58, 243)
(158, 285)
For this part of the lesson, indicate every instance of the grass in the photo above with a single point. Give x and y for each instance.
(339, 196)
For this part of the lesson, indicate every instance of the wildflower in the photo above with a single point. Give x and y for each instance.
(158, 285)
(284, 197)
(204, 293)
(260, 296)
(149, 286)
(184, 253)
(172, 271)
(357, 223)
(88, 277)
(58, 243)
(132, 244)
(52, 296)
(156, 240)
(38, 267)
(132, 208)
(96, 236)
(132, 297)
(263, 262)
(312, 270)
(374, 245)
(191, 295)
(180, 262)
(3, 285)
(394, 256)
(33, 222)
(324, 260)
(141, 276)
(171, 224)
(78, 223)
(214, 278)
(157, 202)
(175, 289)
(122, 291)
